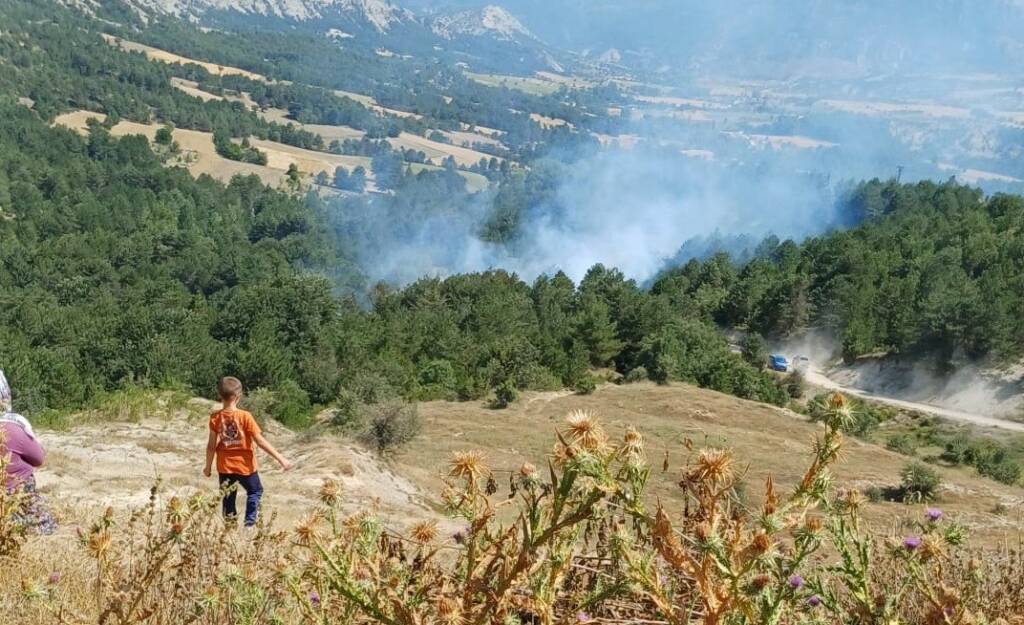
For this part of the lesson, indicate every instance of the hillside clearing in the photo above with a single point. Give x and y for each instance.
(530, 86)
(156, 54)
(200, 157)
(372, 104)
(435, 151)
(549, 122)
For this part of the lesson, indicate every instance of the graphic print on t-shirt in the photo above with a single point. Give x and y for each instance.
(230, 436)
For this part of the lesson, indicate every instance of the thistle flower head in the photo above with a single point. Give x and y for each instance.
(840, 411)
(813, 601)
(633, 445)
(469, 466)
(585, 431)
(527, 471)
(712, 465)
(933, 514)
(330, 491)
(307, 527)
(795, 581)
(424, 531)
(911, 543)
(449, 611)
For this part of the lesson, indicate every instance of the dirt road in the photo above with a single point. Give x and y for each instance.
(817, 378)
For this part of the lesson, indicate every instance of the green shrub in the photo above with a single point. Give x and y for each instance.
(794, 384)
(1003, 470)
(901, 444)
(957, 450)
(875, 494)
(504, 395)
(164, 135)
(292, 406)
(347, 411)
(585, 385)
(636, 374)
(260, 403)
(288, 404)
(372, 387)
(542, 379)
(437, 380)
(919, 482)
(390, 425)
(755, 350)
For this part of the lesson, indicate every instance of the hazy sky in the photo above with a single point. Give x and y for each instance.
(881, 35)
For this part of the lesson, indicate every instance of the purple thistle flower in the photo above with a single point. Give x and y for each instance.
(314, 598)
(814, 601)
(459, 537)
(933, 514)
(796, 582)
(583, 617)
(54, 578)
(910, 543)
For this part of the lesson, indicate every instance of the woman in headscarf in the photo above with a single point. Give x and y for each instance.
(24, 456)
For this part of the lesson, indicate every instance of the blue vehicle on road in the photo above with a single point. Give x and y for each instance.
(778, 362)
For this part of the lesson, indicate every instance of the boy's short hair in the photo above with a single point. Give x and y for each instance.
(229, 388)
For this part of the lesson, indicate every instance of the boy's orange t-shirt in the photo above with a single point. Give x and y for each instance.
(235, 430)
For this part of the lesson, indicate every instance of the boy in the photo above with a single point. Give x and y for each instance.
(233, 433)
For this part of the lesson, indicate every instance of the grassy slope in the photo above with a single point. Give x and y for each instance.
(769, 440)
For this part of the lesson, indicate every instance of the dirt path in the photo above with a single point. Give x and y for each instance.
(817, 378)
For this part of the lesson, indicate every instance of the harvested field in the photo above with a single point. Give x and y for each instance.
(372, 104)
(532, 86)
(474, 182)
(436, 152)
(163, 56)
(467, 139)
(549, 122)
(200, 157)
(192, 88)
(925, 109)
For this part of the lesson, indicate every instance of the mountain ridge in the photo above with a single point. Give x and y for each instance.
(492, 20)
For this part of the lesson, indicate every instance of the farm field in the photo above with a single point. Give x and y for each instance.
(435, 151)
(532, 86)
(156, 54)
(199, 156)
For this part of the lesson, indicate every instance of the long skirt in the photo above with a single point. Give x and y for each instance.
(34, 515)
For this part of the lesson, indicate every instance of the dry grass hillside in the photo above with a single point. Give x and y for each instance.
(176, 563)
(769, 440)
(113, 459)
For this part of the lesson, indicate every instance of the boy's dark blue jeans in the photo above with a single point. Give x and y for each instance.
(253, 492)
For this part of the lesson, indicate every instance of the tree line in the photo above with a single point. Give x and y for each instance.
(933, 270)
